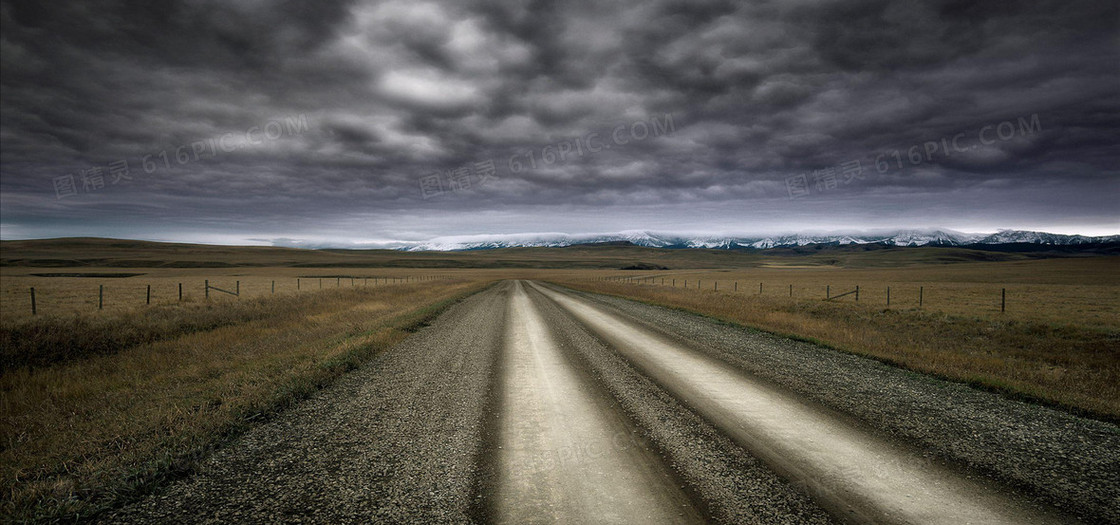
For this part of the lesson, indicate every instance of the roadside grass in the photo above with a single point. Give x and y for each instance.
(64, 292)
(1070, 366)
(1078, 291)
(46, 340)
(86, 434)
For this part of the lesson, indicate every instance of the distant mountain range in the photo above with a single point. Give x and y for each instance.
(936, 237)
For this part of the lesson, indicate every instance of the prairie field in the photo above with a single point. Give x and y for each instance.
(1057, 342)
(74, 291)
(118, 400)
(101, 405)
(1080, 291)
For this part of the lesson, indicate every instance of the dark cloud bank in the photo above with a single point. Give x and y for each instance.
(372, 121)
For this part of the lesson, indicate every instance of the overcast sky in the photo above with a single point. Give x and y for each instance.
(257, 120)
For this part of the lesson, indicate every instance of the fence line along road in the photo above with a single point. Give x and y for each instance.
(656, 281)
(36, 297)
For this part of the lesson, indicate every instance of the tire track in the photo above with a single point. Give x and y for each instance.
(733, 486)
(857, 475)
(564, 453)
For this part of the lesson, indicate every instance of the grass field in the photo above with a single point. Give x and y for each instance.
(1081, 291)
(59, 291)
(100, 405)
(1057, 343)
(89, 431)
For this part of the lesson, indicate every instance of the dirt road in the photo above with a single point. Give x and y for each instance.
(533, 403)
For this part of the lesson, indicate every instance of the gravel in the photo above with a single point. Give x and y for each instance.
(396, 441)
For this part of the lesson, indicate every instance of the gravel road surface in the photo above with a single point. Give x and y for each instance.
(533, 403)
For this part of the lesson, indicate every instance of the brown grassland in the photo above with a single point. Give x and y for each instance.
(98, 407)
(1057, 343)
(84, 432)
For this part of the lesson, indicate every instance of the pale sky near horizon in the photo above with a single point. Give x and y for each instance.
(356, 122)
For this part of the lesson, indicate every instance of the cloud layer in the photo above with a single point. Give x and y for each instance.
(367, 121)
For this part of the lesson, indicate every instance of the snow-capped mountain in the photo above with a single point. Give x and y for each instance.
(933, 237)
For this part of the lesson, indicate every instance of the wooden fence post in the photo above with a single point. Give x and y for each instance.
(828, 291)
(791, 290)
(921, 293)
(735, 286)
(180, 292)
(759, 288)
(149, 298)
(1003, 300)
(207, 289)
(33, 312)
(297, 284)
(100, 296)
(715, 286)
(273, 286)
(237, 291)
(857, 293)
(888, 296)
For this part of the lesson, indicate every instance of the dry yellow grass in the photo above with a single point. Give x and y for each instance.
(89, 432)
(79, 295)
(1058, 342)
(1080, 291)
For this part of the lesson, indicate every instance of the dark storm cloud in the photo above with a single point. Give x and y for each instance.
(390, 92)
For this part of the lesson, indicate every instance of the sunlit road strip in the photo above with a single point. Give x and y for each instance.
(565, 456)
(859, 476)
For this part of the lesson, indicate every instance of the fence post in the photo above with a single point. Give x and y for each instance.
(297, 284)
(791, 290)
(759, 288)
(273, 286)
(735, 287)
(921, 292)
(715, 286)
(674, 283)
(180, 292)
(237, 291)
(828, 291)
(857, 293)
(888, 296)
(1003, 300)
(337, 282)
(149, 299)
(33, 312)
(320, 283)
(207, 289)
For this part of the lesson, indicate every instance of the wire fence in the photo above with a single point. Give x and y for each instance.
(76, 294)
(993, 298)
